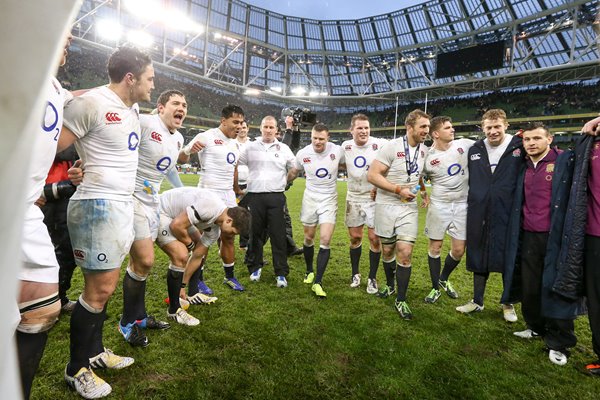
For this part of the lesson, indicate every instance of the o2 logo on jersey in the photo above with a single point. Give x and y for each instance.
(360, 162)
(133, 141)
(50, 122)
(230, 158)
(163, 164)
(455, 169)
(322, 173)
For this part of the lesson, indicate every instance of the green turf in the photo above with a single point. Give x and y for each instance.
(270, 343)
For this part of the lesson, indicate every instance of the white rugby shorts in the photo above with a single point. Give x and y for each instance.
(318, 209)
(360, 213)
(39, 259)
(145, 220)
(101, 232)
(165, 236)
(445, 217)
(397, 221)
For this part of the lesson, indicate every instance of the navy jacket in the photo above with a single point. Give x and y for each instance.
(562, 282)
(489, 205)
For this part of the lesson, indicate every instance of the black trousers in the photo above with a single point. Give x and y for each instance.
(289, 233)
(592, 287)
(533, 251)
(267, 214)
(244, 203)
(55, 218)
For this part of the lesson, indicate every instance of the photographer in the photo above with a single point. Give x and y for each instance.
(53, 202)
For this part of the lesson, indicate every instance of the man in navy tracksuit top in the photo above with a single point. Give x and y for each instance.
(535, 227)
(494, 164)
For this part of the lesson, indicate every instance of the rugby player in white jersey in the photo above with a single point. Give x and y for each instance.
(446, 167)
(360, 206)
(320, 162)
(38, 301)
(104, 124)
(191, 219)
(159, 151)
(396, 171)
(218, 159)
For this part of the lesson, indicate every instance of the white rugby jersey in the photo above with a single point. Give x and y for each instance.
(218, 159)
(242, 169)
(268, 164)
(202, 206)
(321, 169)
(45, 140)
(448, 171)
(109, 136)
(393, 156)
(495, 153)
(158, 153)
(358, 159)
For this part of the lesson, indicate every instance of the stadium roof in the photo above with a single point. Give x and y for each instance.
(233, 44)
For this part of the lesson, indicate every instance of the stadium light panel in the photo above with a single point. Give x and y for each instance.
(109, 29)
(314, 94)
(252, 92)
(140, 39)
(277, 89)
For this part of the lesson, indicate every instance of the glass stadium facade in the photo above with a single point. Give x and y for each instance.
(243, 48)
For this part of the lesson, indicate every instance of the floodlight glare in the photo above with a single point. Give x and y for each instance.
(109, 29)
(144, 9)
(276, 89)
(140, 38)
(299, 90)
(313, 94)
(252, 92)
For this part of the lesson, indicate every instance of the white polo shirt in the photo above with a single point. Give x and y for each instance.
(268, 164)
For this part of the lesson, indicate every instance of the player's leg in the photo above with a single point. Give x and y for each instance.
(355, 233)
(457, 250)
(374, 258)
(309, 251)
(39, 306)
(325, 232)
(309, 219)
(38, 300)
(355, 222)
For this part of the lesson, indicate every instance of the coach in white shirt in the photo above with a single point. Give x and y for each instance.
(268, 162)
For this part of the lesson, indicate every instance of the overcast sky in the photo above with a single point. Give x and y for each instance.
(333, 9)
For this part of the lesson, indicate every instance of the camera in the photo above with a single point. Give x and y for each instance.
(59, 190)
(302, 116)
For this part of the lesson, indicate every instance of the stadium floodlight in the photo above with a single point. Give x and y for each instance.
(177, 20)
(252, 92)
(145, 9)
(140, 38)
(109, 29)
(313, 93)
(299, 90)
(276, 89)
(170, 17)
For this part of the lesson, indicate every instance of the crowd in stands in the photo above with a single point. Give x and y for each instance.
(86, 69)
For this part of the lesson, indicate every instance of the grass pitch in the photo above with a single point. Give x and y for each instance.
(270, 343)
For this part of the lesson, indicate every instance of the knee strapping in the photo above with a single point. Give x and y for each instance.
(135, 276)
(39, 315)
(175, 268)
